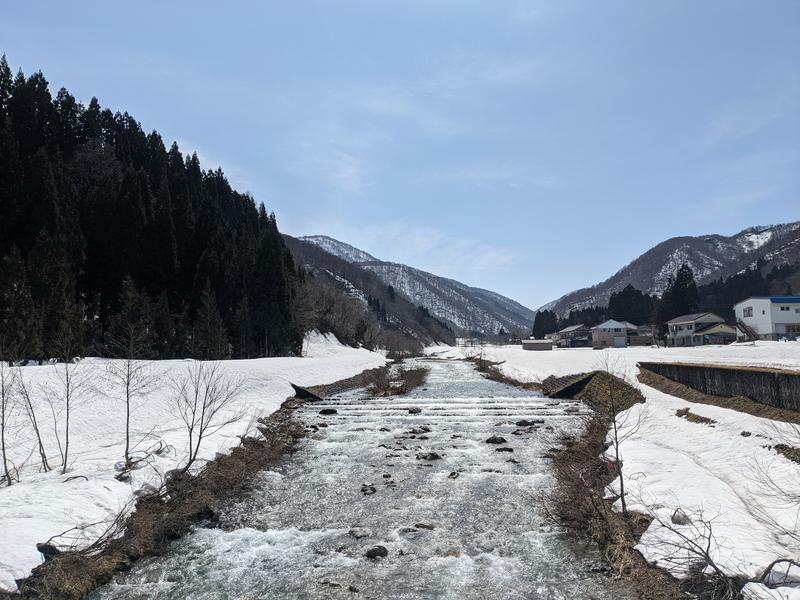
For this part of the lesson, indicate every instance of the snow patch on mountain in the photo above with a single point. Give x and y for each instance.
(344, 251)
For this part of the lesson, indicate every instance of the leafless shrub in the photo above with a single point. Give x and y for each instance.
(131, 373)
(615, 405)
(24, 392)
(203, 397)
(69, 391)
(7, 406)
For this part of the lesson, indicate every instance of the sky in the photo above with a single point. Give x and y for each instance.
(530, 148)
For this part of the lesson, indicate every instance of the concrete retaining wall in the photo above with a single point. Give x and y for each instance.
(773, 387)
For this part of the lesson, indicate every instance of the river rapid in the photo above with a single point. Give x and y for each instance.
(459, 518)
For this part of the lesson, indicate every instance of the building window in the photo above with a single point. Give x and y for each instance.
(689, 327)
(785, 308)
(748, 311)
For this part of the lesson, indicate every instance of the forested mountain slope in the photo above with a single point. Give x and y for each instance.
(710, 257)
(466, 309)
(88, 200)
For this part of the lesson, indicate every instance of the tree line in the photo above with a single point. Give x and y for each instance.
(100, 222)
(681, 296)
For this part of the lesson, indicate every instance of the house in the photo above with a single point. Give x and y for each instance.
(532, 344)
(769, 317)
(574, 336)
(612, 334)
(699, 329)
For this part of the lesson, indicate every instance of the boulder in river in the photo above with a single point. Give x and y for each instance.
(424, 525)
(414, 410)
(328, 411)
(377, 552)
(360, 532)
(504, 450)
(428, 456)
(496, 439)
(529, 422)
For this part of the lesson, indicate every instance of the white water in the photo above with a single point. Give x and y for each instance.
(288, 537)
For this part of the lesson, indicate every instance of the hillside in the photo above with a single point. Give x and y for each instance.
(709, 256)
(466, 309)
(392, 311)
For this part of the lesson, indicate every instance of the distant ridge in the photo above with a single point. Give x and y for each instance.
(709, 256)
(465, 308)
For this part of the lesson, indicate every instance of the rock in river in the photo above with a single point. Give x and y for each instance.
(328, 411)
(496, 439)
(377, 552)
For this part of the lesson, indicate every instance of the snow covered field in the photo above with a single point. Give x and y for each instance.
(672, 462)
(45, 504)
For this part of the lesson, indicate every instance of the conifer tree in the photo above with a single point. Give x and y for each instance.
(209, 338)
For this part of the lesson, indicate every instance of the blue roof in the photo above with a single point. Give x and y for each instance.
(784, 299)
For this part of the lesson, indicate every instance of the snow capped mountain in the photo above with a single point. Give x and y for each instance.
(465, 308)
(709, 256)
(344, 251)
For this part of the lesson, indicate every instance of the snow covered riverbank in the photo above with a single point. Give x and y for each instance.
(672, 462)
(42, 505)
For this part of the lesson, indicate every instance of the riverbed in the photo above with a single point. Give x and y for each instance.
(411, 477)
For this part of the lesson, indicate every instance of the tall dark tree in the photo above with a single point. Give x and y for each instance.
(544, 322)
(209, 338)
(87, 198)
(630, 304)
(679, 298)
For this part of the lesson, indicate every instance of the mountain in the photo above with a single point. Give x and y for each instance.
(466, 309)
(392, 311)
(709, 256)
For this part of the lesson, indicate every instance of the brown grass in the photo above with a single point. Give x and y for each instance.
(789, 452)
(579, 503)
(161, 518)
(495, 374)
(737, 403)
(382, 383)
(685, 413)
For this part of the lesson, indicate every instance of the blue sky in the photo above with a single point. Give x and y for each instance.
(492, 142)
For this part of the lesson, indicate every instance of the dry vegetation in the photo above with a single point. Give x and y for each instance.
(163, 515)
(738, 403)
(685, 413)
(385, 383)
(579, 502)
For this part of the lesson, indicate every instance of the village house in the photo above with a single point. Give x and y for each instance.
(699, 329)
(574, 336)
(612, 334)
(769, 317)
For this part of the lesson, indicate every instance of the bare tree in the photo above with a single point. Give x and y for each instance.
(29, 408)
(72, 382)
(7, 406)
(616, 397)
(779, 489)
(131, 372)
(204, 399)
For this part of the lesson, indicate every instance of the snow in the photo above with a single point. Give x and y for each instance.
(45, 504)
(672, 462)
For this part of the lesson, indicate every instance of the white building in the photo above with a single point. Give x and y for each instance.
(770, 317)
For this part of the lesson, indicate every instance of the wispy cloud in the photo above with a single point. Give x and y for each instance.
(774, 98)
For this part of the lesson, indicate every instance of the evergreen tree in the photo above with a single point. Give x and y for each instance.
(209, 338)
(545, 322)
(20, 327)
(631, 305)
(679, 298)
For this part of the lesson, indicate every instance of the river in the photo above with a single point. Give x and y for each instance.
(470, 524)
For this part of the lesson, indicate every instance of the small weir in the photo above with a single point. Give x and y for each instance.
(411, 477)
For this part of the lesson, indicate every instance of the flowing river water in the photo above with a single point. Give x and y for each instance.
(470, 524)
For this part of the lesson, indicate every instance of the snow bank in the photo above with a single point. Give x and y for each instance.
(45, 504)
(672, 462)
